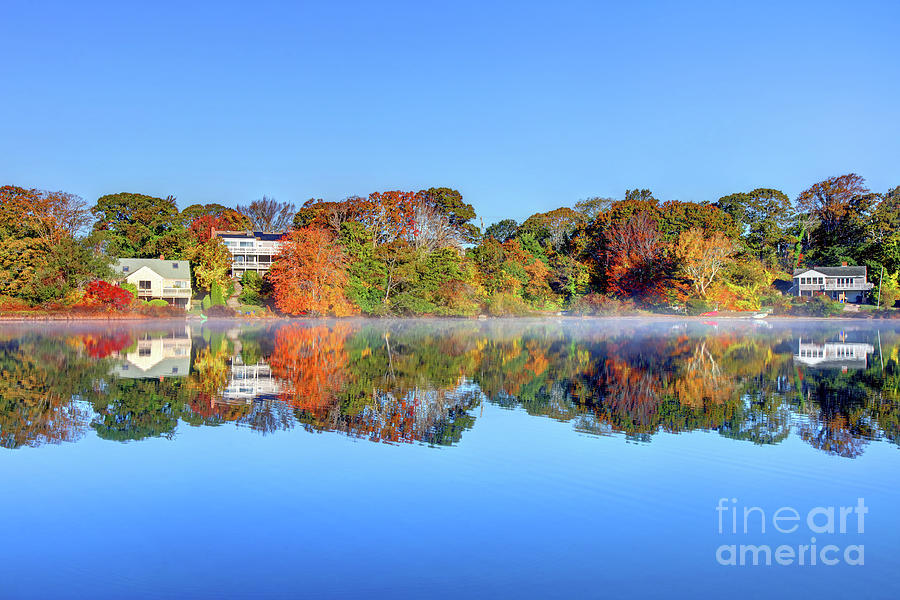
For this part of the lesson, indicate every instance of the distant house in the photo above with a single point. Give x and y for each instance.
(169, 280)
(250, 250)
(847, 284)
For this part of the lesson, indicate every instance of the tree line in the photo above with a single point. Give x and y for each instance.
(424, 253)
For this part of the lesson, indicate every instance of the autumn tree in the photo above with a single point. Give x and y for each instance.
(637, 262)
(217, 216)
(269, 215)
(332, 215)
(210, 263)
(310, 274)
(42, 255)
(703, 257)
(591, 208)
(839, 208)
(391, 216)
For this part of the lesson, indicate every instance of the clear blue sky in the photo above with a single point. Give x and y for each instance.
(521, 106)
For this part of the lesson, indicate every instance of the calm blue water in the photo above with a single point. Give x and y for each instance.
(442, 459)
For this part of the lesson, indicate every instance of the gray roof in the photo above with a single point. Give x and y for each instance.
(168, 269)
(265, 236)
(835, 271)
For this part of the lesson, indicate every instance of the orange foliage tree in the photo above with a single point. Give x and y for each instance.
(310, 274)
(311, 365)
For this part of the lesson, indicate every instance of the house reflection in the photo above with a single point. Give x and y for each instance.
(156, 354)
(247, 382)
(839, 354)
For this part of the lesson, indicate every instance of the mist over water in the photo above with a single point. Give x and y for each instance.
(513, 457)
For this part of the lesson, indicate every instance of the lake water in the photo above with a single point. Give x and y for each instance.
(570, 458)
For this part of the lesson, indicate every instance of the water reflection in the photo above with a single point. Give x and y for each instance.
(833, 386)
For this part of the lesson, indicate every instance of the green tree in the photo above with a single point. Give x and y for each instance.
(764, 216)
(502, 231)
(139, 226)
(459, 214)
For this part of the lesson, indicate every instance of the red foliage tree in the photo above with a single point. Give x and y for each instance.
(103, 294)
(638, 264)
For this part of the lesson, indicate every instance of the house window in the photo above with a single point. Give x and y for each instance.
(144, 285)
(124, 269)
(174, 265)
(246, 244)
(143, 351)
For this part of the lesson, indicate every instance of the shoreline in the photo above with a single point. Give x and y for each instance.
(70, 317)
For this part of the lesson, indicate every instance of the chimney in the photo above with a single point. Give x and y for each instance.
(161, 257)
(844, 264)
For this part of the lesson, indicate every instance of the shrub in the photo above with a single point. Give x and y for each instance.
(10, 303)
(406, 303)
(890, 292)
(220, 310)
(697, 306)
(251, 288)
(206, 303)
(160, 308)
(819, 305)
(125, 285)
(507, 304)
(598, 304)
(102, 294)
(216, 297)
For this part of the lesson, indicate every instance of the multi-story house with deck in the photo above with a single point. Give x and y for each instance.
(169, 280)
(846, 284)
(250, 250)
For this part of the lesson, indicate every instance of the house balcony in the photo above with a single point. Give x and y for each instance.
(834, 287)
(270, 250)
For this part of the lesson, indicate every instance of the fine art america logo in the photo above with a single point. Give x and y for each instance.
(823, 525)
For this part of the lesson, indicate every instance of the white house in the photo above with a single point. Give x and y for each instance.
(155, 278)
(250, 250)
(847, 284)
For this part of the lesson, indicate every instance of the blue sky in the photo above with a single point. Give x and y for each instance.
(521, 106)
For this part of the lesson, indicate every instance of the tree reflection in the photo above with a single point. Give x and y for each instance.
(404, 382)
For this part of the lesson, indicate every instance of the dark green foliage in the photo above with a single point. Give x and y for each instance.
(697, 306)
(764, 217)
(502, 231)
(139, 226)
(216, 295)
